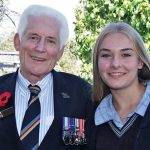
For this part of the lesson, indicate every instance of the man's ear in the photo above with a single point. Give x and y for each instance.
(17, 42)
(60, 53)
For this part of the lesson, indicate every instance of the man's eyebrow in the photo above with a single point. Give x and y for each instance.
(34, 34)
(48, 37)
(51, 37)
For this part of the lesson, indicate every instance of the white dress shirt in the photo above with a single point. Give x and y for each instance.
(22, 95)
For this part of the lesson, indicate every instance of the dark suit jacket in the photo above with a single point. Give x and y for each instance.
(142, 139)
(77, 105)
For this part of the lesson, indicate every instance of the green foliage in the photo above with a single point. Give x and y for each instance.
(7, 44)
(93, 15)
(69, 62)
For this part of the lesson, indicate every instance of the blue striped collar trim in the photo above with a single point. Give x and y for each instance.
(120, 132)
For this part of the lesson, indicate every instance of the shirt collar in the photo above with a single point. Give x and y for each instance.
(106, 111)
(24, 83)
(103, 112)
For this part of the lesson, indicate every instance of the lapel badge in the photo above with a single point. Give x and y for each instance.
(73, 132)
(65, 95)
(6, 112)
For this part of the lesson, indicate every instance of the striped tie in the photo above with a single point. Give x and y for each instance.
(30, 126)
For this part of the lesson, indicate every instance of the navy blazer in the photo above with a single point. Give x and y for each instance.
(77, 105)
(142, 141)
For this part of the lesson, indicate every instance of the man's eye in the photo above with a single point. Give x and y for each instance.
(51, 41)
(34, 38)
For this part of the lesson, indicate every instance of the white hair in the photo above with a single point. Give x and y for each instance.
(40, 10)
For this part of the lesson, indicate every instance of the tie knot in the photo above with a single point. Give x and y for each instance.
(34, 89)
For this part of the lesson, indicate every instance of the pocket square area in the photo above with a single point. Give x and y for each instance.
(6, 112)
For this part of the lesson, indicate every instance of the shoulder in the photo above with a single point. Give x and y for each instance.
(6, 77)
(71, 78)
(72, 81)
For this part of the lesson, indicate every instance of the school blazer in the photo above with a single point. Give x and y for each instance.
(142, 141)
(76, 104)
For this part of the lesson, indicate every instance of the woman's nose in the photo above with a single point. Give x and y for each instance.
(116, 62)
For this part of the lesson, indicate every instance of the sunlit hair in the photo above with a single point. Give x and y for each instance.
(100, 89)
(39, 10)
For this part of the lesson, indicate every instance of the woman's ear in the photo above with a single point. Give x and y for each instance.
(141, 64)
(17, 42)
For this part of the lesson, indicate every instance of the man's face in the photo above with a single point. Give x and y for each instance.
(39, 47)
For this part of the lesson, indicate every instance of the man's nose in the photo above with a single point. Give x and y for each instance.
(41, 45)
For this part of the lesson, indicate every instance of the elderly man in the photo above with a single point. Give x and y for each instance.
(41, 108)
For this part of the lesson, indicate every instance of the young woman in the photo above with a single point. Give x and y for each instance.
(121, 69)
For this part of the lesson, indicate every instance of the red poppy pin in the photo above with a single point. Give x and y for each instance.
(4, 97)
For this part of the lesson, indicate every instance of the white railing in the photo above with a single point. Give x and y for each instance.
(9, 61)
(9, 57)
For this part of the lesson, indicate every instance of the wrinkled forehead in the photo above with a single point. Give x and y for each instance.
(44, 19)
(44, 25)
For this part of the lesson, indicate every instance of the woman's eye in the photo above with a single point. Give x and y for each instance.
(126, 55)
(105, 55)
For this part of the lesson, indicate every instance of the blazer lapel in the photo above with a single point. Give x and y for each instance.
(53, 138)
(9, 86)
(61, 94)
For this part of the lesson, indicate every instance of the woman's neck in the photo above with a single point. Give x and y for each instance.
(125, 101)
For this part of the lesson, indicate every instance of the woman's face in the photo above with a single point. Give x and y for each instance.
(118, 62)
